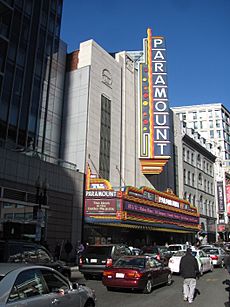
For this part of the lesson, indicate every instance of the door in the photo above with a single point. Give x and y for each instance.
(157, 271)
(59, 291)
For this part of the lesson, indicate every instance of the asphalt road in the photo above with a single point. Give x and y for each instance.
(210, 293)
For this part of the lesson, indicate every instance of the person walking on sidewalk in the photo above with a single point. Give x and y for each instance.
(189, 269)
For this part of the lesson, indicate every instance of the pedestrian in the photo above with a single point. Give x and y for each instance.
(227, 262)
(68, 248)
(57, 251)
(189, 270)
(79, 250)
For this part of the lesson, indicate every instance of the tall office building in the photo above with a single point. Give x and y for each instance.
(212, 121)
(32, 65)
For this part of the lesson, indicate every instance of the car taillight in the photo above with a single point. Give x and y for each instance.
(133, 275)
(214, 257)
(80, 261)
(109, 262)
(107, 273)
(158, 257)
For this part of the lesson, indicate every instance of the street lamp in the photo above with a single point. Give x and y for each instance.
(41, 200)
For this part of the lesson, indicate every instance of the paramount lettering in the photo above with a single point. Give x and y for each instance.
(100, 193)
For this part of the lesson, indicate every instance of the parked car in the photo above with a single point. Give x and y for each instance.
(204, 261)
(136, 272)
(161, 253)
(135, 251)
(217, 255)
(35, 286)
(29, 252)
(96, 258)
(206, 246)
(173, 248)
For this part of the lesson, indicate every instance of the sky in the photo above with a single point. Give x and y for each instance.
(197, 34)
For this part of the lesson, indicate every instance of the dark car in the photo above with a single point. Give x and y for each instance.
(137, 273)
(96, 258)
(29, 252)
(161, 253)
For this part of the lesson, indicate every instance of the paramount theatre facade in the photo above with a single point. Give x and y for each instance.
(133, 191)
(136, 216)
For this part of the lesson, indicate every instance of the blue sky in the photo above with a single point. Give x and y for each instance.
(197, 34)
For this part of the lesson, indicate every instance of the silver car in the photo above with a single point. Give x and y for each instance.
(217, 255)
(36, 286)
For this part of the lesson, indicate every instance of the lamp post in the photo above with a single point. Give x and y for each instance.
(41, 200)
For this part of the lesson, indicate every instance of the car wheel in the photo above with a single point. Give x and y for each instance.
(169, 280)
(148, 287)
(86, 276)
(211, 268)
(89, 303)
(201, 270)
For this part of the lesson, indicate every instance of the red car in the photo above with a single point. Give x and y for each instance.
(137, 273)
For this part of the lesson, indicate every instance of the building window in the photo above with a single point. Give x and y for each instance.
(189, 178)
(210, 124)
(218, 123)
(211, 133)
(218, 132)
(192, 158)
(194, 201)
(185, 195)
(193, 179)
(217, 114)
(104, 159)
(200, 180)
(184, 176)
(188, 156)
(198, 161)
(201, 204)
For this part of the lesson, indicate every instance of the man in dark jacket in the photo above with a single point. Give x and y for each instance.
(189, 269)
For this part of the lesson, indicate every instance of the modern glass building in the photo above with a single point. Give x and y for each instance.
(32, 60)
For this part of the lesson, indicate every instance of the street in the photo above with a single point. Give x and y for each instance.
(210, 292)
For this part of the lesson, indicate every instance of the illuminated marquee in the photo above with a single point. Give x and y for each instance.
(155, 147)
(137, 207)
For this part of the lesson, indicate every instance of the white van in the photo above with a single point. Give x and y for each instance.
(173, 248)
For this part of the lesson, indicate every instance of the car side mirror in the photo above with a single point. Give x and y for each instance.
(75, 285)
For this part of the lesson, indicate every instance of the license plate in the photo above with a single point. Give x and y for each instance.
(120, 275)
(93, 260)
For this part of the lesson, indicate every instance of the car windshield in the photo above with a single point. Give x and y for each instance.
(174, 247)
(98, 250)
(130, 262)
(179, 254)
(211, 251)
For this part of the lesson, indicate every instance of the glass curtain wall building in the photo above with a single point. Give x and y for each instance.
(31, 56)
